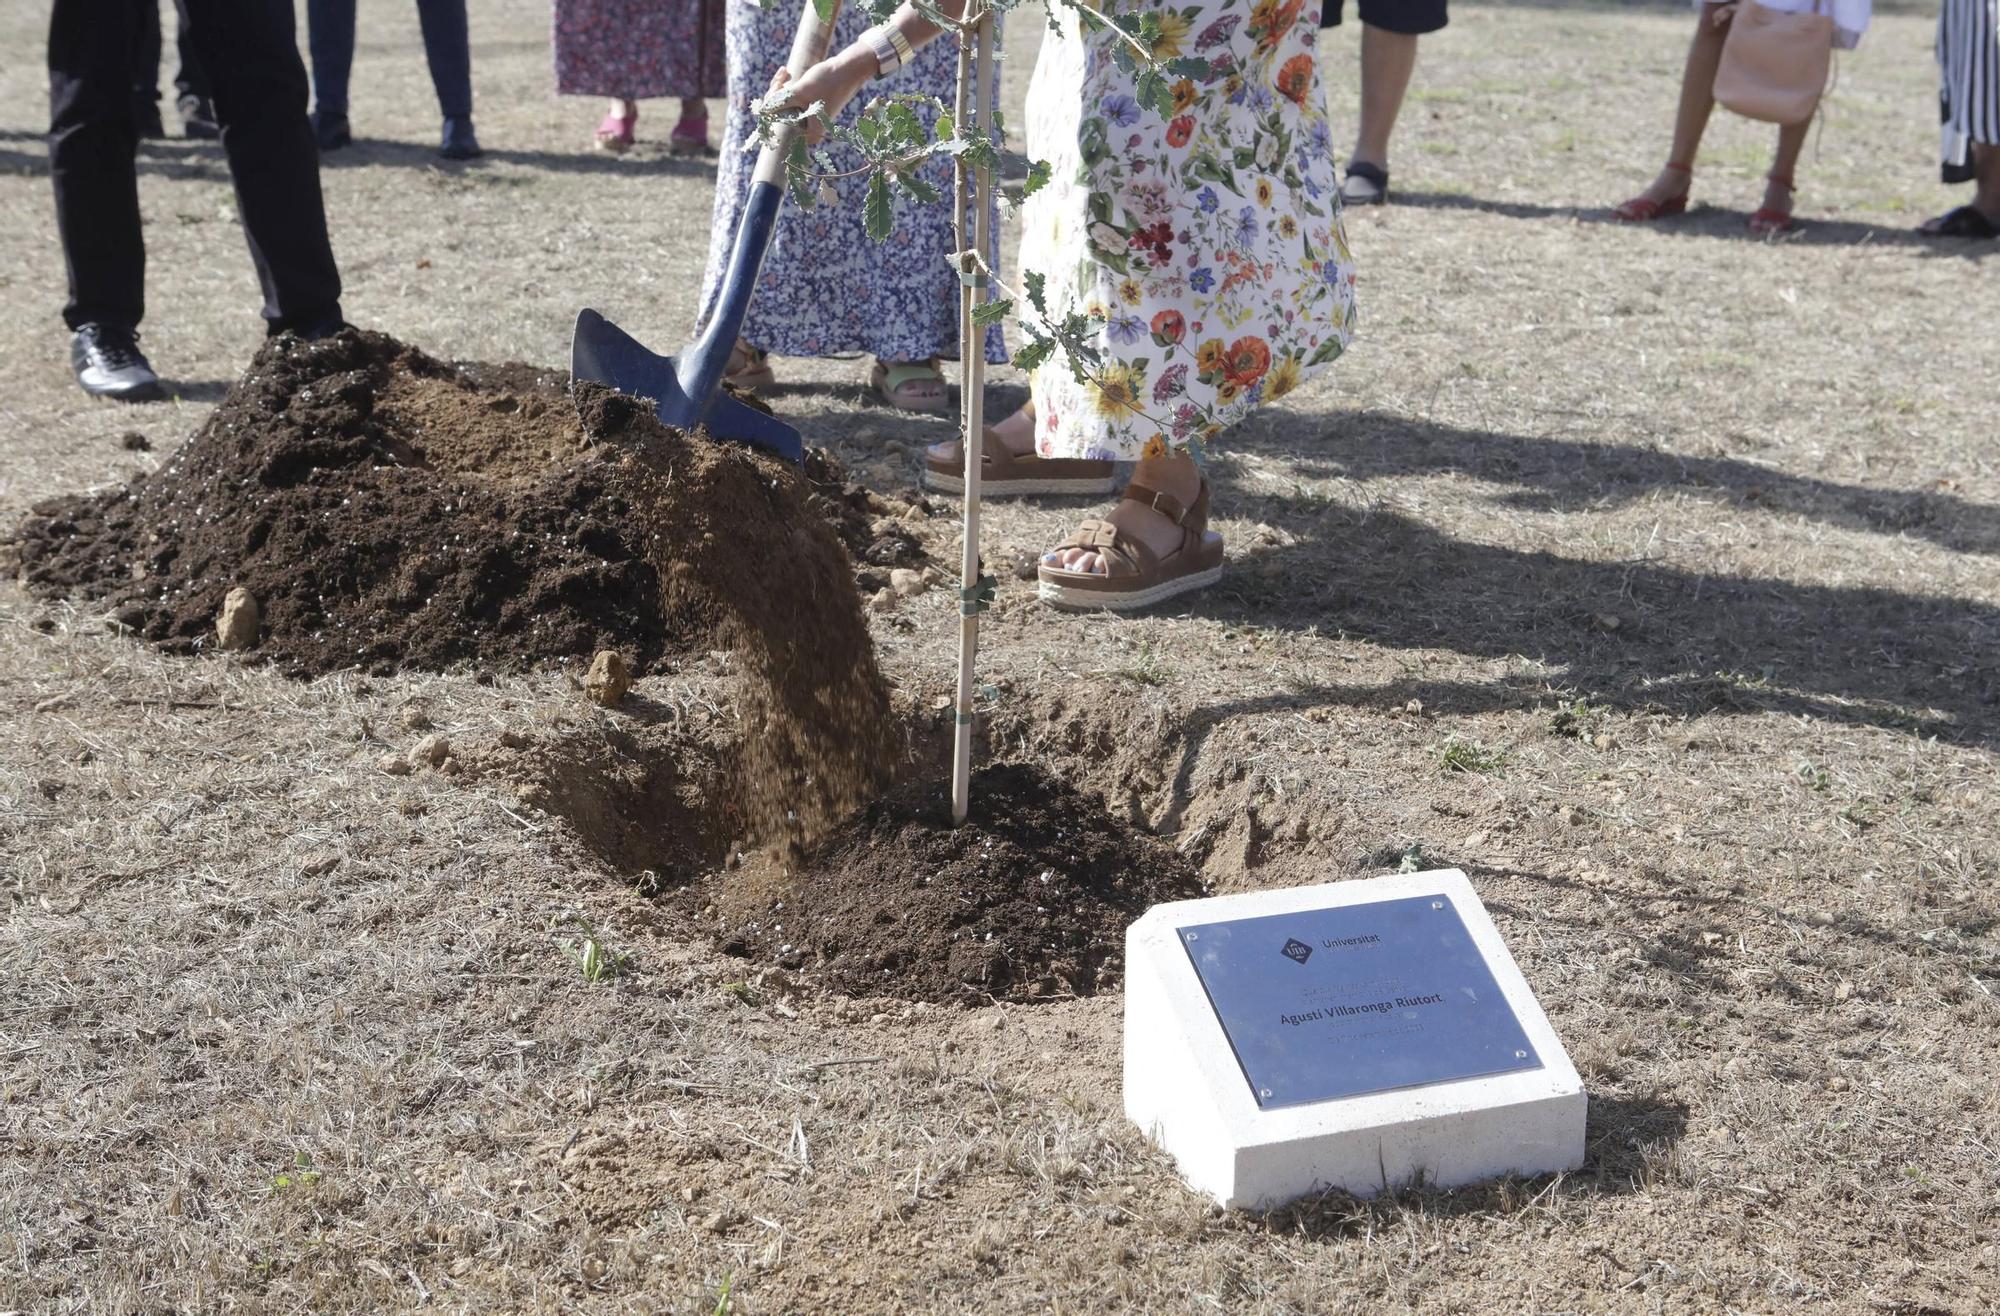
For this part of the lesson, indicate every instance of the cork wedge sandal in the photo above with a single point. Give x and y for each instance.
(1134, 577)
(1004, 474)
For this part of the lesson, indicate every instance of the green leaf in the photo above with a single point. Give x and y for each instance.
(1328, 350)
(1187, 66)
(985, 313)
(906, 130)
(918, 187)
(825, 9)
(1035, 282)
(946, 126)
(1038, 177)
(1034, 354)
(798, 176)
(875, 209)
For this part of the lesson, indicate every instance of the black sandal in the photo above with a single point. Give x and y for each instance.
(1365, 184)
(1964, 222)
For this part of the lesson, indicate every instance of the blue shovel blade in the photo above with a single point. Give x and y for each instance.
(603, 353)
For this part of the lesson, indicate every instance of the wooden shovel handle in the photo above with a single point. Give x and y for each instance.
(809, 47)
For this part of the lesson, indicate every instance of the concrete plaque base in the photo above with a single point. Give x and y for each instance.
(1241, 1011)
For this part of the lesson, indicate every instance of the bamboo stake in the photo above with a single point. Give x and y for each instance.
(972, 363)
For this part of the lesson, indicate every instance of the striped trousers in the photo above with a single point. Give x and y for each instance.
(1968, 54)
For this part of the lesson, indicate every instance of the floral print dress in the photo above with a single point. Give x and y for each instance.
(826, 287)
(637, 50)
(1207, 242)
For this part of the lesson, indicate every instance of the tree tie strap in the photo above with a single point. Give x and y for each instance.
(975, 599)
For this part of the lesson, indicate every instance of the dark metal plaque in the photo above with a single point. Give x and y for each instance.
(1330, 1003)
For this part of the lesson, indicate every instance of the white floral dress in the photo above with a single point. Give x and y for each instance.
(1208, 242)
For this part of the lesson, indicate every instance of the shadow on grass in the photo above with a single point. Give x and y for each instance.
(1623, 1135)
(1563, 475)
(196, 390)
(1708, 221)
(1636, 634)
(181, 159)
(363, 152)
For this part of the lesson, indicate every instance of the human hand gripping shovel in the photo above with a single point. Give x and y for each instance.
(685, 388)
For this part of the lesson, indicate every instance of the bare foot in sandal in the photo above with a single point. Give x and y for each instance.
(1016, 434)
(749, 367)
(910, 385)
(1012, 467)
(1177, 477)
(1153, 545)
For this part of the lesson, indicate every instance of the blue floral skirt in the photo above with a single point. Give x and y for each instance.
(826, 287)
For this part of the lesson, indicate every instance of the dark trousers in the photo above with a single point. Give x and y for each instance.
(188, 79)
(258, 83)
(447, 49)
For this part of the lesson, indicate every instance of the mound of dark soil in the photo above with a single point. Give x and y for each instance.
(1028, 900)
(390, 510)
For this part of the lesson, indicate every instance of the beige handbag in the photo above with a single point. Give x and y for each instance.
(1774, 64)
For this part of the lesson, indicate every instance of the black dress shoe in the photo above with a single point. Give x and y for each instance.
(109, 364)
(458, 141)
(330, 130)
(198, 121)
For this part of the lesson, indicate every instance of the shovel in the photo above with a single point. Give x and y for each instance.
(685, 388)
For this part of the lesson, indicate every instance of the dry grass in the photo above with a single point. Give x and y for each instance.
(1694, 535)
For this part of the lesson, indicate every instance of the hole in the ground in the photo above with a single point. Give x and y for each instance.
(1028, 901)
(1093, 811)
(648, 800)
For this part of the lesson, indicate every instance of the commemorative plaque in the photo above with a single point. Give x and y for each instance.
(1336, 1002)
(1353, 1035)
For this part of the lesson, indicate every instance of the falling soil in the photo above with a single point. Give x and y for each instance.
(1029, 900)
(389, 510)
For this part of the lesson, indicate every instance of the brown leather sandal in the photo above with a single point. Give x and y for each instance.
(1133, 576)
(1005, 474)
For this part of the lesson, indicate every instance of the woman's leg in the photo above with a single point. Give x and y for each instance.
(690, 135)
(1778, 187)
(1018, 430)
(1986, 180)
(1016, 434)
(1175, 475)
(330, 39)
(448, 51)
(1697, 103)
(1387, 61)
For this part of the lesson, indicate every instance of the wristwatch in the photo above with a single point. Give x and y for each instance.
(891, 49)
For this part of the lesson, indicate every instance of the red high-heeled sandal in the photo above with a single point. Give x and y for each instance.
(1644, 210)
(1766, 222)
(690, 136)
(616, 132)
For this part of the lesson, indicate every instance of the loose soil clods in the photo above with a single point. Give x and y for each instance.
(1028, 900)
(388, 510)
